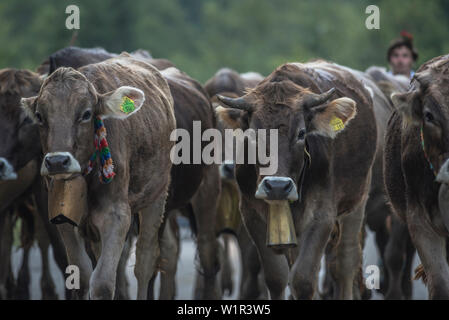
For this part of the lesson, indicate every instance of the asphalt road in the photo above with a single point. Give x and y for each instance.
(186, 270)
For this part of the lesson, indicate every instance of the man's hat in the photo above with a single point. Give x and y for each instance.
(406, 39)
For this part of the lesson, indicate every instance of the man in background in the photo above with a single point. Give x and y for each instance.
(402, 55)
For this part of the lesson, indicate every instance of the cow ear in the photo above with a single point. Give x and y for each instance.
(28, 103)
(29, 106)
(332, 118)
(120, 103)
(408, 105)
(232, 118)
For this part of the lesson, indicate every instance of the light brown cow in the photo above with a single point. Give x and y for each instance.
(139, 141)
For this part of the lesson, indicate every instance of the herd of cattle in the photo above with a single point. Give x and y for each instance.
(356, 149)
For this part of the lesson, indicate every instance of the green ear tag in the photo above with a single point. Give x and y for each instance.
(127, 105)
(337, 124)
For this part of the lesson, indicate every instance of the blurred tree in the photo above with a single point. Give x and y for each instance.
(201, 36)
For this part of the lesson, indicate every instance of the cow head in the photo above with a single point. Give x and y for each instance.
(19, 142)
(65, 110)
(427, 106)
(295, 112)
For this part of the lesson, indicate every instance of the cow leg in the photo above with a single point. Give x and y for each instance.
(47, 284)
(204, 205)
(314, 238)
(150, 290)
(227, 285)
(432, 252)
(395, 256)
(22, 290)
(198, 290)
(407, 286)
(249, 286)
(378, 213)
(275, 266)
(77, 256)
(349, 251)
(122, 285)
(112, 221)
(59, 251)
(147, 246)
(168, 264)
(6, 242)
(330, 264)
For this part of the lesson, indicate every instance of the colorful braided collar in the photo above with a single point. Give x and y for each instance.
(106, 172)
(425, 153)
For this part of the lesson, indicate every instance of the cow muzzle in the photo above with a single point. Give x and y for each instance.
(59, 163)
(7, 171)
(277, 188)
(227, 170)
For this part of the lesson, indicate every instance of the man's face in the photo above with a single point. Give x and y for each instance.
(401, 61)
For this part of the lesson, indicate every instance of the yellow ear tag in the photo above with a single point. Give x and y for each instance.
(337, 124)
(127, 105)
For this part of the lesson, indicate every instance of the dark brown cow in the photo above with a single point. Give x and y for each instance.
(76, 57)
(416, 161)
(20, 182)
(229, 83)
(195, 188)
(392, 236)
(139, 140)
(296, 99)
(228, 80)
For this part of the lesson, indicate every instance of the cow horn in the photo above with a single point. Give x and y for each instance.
(424, 78)
(314, 99)
(236, 103)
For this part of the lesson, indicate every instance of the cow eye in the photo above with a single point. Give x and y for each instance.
(38, 117)
(86, 115)
(428, 116)
(302, 134)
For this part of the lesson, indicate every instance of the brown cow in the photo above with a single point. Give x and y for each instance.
(325, 153)
(232, 84)
(416, 162)
(20, 182)
(197, 198)
(76, 57)
(138, 138)
(392, 237)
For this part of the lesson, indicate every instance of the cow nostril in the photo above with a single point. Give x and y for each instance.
(267, 185)
(288, 186)
(47, 163)
(2, 165)
(66, 162)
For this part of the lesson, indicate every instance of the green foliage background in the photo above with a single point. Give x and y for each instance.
(201, 36)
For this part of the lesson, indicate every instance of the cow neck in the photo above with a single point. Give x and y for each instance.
(106, 171)
(425, 153)
(307, 163)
